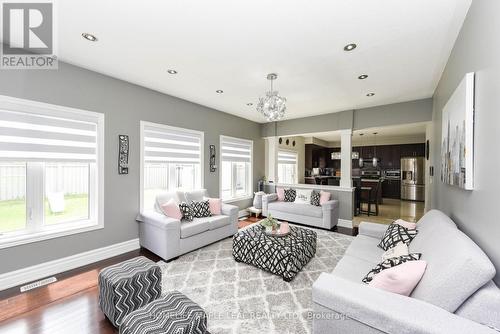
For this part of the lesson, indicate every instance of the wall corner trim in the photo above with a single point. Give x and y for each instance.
(42, 270)
(345, 223)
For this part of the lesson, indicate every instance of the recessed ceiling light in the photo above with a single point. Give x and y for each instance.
(89, 37)
(363, 76)
(370, 94)
(172, 71)
(249, 104)
(219, 91)
(350, 47)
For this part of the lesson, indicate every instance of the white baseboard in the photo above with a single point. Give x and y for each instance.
(242, 213)
(39, 271)
(345, 223)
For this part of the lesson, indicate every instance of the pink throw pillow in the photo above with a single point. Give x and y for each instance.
(401, 279)
(215, 205)
(405, 224)
(324, 196)
(281, 194)
(171, 209)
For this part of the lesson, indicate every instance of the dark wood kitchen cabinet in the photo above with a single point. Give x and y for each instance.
(391, 189)
(412, 150)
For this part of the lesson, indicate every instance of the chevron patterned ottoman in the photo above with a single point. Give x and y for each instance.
(283, 256)
(172, 313)
(128, 286)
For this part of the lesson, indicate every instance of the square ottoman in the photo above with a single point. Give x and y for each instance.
(172, 313)
(284, 256)
(127, 286)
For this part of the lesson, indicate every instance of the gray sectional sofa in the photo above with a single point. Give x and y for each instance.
(168, 237)
(324, 216)
(455, 295)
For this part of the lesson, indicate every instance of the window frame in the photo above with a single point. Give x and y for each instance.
(96, 188)
(296, 181)
(250, 180)
(173, 128)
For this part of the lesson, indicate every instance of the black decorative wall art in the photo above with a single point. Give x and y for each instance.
(213, 165)
(123, 148)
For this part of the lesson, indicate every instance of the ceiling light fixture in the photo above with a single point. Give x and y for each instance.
(363, 76)
(89, 37)
(249, 104)
(272, 106)
(219, 91)
(171, 71)
(370, 94)
(350, 47)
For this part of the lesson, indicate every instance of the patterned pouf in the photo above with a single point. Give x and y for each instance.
(172, 313)
(128, 286)
(284, 256)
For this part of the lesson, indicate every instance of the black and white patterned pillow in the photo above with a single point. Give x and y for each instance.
(389, 263)
(290, 195)
(201, 209)
(187, 212)
(315, 196)
(395, 234)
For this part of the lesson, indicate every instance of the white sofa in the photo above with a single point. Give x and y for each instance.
(168, 237)
(325, 216)
(455, 295)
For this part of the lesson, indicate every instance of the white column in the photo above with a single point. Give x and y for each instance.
(272, 159)
(346, 158)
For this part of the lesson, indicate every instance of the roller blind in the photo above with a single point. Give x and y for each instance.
(171, 145)
(237, 150)
(31, 136)
(289, 158)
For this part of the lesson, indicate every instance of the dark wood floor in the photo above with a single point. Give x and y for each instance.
(69, 306)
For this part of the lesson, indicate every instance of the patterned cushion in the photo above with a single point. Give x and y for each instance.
(315, 196)
(187, 212)
(201, 209)
(389, 263)
(128, 286)
(290, 195)
(172, 313)
(395, 234)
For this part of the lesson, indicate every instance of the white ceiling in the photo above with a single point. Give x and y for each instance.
(231, 45)
(402, 131)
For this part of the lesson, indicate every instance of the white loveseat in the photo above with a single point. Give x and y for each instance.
(325, 216)
(168, 237)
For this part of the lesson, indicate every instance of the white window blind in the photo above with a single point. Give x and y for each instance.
(39, 137)
(288, 158)
(168, 145)
(236, 150)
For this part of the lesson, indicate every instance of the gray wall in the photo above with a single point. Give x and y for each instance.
(124, 105)
(476, 50)
(393, 114)
(386, 115)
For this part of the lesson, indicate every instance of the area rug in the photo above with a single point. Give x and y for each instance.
(240, 298)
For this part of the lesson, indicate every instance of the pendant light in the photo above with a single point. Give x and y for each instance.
(361, 162)
(375, 159)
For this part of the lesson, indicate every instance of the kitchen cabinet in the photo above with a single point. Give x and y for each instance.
(413, 150)
(391, 189)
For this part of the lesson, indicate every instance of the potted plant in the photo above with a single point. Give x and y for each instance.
(269, 224)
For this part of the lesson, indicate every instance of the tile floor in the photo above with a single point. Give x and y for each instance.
(393, 209)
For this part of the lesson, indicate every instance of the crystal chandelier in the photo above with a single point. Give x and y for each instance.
(272, 106)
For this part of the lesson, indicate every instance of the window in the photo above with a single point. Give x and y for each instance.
(50, 171)
(236, 168)
(172, 159)
(287, 167)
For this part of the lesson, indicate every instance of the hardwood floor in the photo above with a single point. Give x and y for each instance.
(70, 305)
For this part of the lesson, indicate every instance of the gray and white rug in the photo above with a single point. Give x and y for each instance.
(240, 298)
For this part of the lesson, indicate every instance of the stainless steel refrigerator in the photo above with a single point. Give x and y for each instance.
(412, 178)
